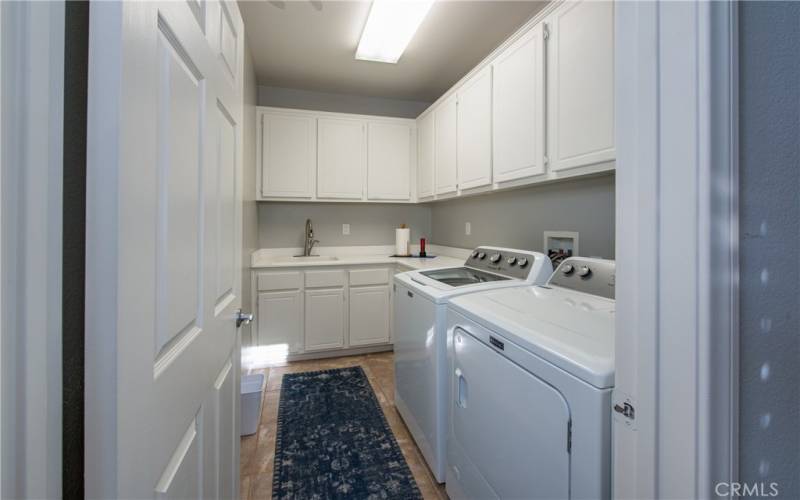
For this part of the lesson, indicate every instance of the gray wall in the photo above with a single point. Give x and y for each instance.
(769, 428)
(338, 103)
(249, 207)
(518, 218)
(282, 224)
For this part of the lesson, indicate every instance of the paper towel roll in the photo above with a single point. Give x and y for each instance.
(401, 238)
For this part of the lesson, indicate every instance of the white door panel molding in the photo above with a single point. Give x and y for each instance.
(676, 343)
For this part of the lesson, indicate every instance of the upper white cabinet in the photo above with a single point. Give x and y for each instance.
(581, 84)
(288, 155)
(474, 134)
(319, 156)
(425, 156)
(446, 146)
(390, 152)
(538, 109)
(341, 158)
(518, 106)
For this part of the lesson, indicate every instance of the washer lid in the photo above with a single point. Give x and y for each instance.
(572, 330)
(462, 276)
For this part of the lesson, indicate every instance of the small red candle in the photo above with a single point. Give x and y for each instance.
(422, 247)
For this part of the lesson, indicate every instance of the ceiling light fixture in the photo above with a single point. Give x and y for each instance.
(390, 26)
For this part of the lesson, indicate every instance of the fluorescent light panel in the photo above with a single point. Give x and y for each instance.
(390, 26)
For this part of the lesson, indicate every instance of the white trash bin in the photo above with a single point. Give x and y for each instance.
(252, 389)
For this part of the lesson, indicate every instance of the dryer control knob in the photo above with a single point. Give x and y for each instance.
(495, 258)
(522, 262)
(482, 255)
(584, 271)
(567, 269)
(475, 254)
(511, 261)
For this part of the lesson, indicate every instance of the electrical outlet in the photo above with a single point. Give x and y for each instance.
(468, 229)
(345, 229)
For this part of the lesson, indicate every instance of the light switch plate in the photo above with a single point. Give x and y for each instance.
(468, 229)
(345, 229)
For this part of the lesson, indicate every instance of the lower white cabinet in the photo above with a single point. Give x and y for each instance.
(369, 315)
(325, 317)
(324, 308)
(280, 319)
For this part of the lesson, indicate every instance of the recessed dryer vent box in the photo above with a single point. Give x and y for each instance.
(558, 245)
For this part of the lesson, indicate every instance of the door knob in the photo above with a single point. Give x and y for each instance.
(243, 318)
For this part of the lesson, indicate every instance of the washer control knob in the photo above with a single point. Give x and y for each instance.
(495, 258)
(522, 262)
(475, 254)
(511, 261)
(584, 271)
(482, 255)
(567, 269)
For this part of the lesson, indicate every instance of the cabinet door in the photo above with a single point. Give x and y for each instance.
(341, 157)
(518, 108)
(288, 155)
(389, 161)
(325, 315)
(369, 315)
(425, 156)
(475, 131)
(445, 146)
(280, 319)
(581, 84)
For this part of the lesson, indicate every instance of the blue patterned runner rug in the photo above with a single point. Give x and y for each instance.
(333, 441)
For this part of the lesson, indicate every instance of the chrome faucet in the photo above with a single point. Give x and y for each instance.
(310, 241)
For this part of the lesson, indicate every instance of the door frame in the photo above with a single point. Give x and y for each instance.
(31, 194)
(677, 248)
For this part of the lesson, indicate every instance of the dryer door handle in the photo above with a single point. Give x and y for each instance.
(461, 389)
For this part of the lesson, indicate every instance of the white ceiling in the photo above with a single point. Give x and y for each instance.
(310, 44)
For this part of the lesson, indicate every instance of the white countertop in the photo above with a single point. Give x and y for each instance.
(359, 255)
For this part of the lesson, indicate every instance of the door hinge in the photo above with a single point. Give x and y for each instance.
(569, 436)
(546, 31)
(546, 160)
(626, 410)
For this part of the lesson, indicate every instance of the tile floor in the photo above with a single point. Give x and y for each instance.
(257, 451)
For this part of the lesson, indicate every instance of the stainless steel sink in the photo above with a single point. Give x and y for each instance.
(307, 258)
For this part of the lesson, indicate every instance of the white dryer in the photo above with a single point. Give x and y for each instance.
(419, 335)
(531, 372)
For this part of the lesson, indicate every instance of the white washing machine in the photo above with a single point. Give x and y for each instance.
(531, 372)
(419, 335)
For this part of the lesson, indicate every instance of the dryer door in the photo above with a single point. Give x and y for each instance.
(510, 427)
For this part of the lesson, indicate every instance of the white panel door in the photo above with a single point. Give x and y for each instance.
(164, 224)
(280, 319)
(325, 317)
(445, 145)
(580, 70)
(369, 315)
(425, 156)
(288, 155)
(389, 161)
(518, 108)
(475, 131)
(341, 149)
